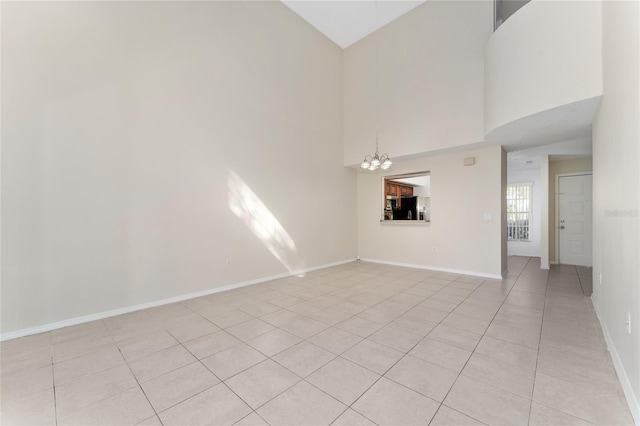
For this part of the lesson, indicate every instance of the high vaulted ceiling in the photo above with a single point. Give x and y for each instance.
(347, 21)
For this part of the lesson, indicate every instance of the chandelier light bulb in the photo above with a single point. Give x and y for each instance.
(376, 162)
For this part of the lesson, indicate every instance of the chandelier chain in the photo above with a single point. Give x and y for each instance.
(375, 161)
(377, 72)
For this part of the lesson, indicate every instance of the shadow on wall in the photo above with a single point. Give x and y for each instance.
(248, 207)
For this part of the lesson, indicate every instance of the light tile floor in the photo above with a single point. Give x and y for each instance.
(358, 344)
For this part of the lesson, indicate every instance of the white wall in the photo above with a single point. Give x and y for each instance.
(546, 55)
(616, 177)
(424, 190)
(131, 130)
(427, 81)
(458, 237)
(528, 248)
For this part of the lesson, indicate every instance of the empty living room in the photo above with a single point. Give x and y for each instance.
(291, 212)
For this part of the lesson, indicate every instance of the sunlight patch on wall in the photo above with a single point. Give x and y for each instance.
(248, 207)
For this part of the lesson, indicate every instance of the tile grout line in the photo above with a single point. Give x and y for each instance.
(136, 379)
(303, 340)
(417, 343)
(160, 323)
(241, 342)
(208, 369)
(353, 283)
(339, 355)
(53, 379)
(115, 343)
(535, 371)
(306, 340)
(198, 360)
(473, 351)
(537, 358)
(142, 390)
(223, 382)
(413, 347)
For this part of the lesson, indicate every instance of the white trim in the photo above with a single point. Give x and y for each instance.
(557, 209)
(544, 212)
(433, 268)
(634, 406)
(106, 314)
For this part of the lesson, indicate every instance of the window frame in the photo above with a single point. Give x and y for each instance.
(520, 214)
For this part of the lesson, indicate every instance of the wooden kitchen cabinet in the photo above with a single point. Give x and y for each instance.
(391, 189)
(398, 190)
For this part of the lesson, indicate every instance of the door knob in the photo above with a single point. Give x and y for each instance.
(561, 226)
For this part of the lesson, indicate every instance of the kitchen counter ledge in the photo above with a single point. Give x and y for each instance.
(406, 222)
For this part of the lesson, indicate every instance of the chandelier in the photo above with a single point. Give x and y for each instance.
(376, 161)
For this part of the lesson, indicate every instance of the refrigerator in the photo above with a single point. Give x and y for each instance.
(413, 208)
(408, 209)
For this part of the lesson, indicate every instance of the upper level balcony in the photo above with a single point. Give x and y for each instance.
(543, 71)
(503, 9)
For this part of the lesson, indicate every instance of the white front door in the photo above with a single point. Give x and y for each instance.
(574, 220)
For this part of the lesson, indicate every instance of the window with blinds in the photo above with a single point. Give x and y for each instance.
(518, 212)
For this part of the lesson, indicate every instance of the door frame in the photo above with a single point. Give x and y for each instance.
(557, 207)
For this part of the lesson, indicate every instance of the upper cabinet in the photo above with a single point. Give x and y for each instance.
(397, 189)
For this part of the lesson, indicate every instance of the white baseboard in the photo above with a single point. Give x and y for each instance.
(632, 400)
(433, 268)
(106, 314)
